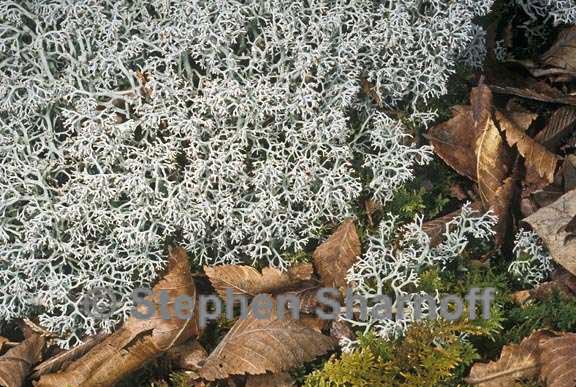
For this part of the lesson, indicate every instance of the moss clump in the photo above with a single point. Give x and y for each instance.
(428, 355)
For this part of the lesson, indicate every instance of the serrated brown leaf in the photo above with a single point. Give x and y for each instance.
(16, 364)
(557, 358)
(517, 361)
(257, 346)
(562, 54)
(535, 154)
(454, 141)
(282, 379)
(545, 354)
(550, 223)
(246, 280)
(138, 341)
(522, 117)
(558, 127)
(337, 254)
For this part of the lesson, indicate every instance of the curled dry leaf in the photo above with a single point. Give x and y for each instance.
(337, 254)
(558, 127)
(282, 379)
(17, 363)
(246, 280)
(454, 141)
(517, 361)
(493, 164)
(511, 81)
(63, 359)
(3, 342)
(502, 208)
(256, 346)
(562, 55)
(138, 341)
(535, 154)
(551, 225)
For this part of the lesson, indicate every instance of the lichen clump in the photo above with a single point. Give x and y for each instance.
(237, 128)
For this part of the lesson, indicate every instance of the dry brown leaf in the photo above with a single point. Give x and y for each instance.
(454, 141)
(545, 354)
(550, 223)
(481, 102)
(547, 195)
(138, 341)
(189, 355)
(492, 159)
(17, 363)
(512, 80)
(370, 90)
(277, 380)
(517, 361)
(314, 323)
(535, 154)
(308, 300)
(436, 228)
(562, 54)
(257, 346)
(245, 280)
(557, 358)
(493, 164)
(502, 209)
(341, 330)
(337, 254)
(3, 342)
(569, 172)
(522, 117)
(371, 206)
(562, 282)
(560, 124)
(63, 359)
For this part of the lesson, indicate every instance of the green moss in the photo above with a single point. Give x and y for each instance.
(557, 313)
(428, 355)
